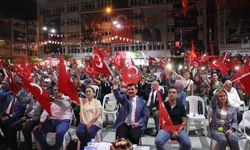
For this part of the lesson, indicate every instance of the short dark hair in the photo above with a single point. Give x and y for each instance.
(132, 84)
(172, 87)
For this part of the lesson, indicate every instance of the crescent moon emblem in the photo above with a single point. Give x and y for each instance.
(215, 63)
(118, 59)
(89, 69)
(133, 68)
(35, 85)
(99, 60)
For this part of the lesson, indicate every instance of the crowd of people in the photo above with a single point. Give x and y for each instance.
(20, 111)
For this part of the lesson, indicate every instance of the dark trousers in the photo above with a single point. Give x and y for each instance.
(155, 115)
(16, 126)
(85, 134)
(127, 132)
(52, 125)
(4, 125)
(26, 130)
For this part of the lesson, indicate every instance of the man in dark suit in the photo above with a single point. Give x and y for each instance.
(13, 112)
(153, 104)
(133, 114)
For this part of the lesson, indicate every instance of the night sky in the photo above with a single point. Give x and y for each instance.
(22, 9)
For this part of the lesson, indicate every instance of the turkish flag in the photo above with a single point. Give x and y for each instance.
(10, 80)
(24, 71)
(203, 59)
(65, 86)
(119, 62)
(90, 71)
(99, 64)
(242, 79)
(131, 75)
(40, 94)
(165, 120)
(217, 64)
(152, 59)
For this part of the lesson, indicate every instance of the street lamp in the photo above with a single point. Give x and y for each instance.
(108, 10)
(48, 31)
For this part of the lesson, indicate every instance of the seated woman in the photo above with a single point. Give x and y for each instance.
(223, 122)
(90, 117)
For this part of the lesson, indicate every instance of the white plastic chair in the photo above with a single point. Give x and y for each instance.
(52, 135)
(245, 123)
(110, 106)
(193, 114)
(96, 89)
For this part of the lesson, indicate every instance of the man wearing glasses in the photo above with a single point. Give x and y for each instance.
(59, 121)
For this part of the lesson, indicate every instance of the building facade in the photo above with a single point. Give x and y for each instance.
(232, 27)
(151, 27)
(18, 39)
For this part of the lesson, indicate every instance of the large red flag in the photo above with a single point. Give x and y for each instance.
(131, 75)
(10, 79)
(90, 71)
(119, 62)
(99, 64)
(40, 94)
(203, 59)
(242, 79)
(165, 120)
(65, 86)
(217, 64)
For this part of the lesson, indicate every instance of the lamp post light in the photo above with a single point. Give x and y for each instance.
(47, 32)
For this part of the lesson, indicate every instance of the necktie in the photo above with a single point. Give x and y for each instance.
(152, 100)
(11, 106)
(130, 114)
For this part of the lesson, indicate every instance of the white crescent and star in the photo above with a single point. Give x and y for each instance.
(37, 86)
(133, 68)
(215, 63)
(99, 60)
(89, 69)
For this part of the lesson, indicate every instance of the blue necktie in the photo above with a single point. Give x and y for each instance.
(130, 113)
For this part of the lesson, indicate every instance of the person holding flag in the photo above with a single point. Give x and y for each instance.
(133, 114)
(173, 119)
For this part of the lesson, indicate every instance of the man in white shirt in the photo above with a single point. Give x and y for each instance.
(153, 104)
(233, 98)
(59, 121)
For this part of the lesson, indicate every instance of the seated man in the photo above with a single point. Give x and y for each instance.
(26, 123)
(12, 112)
(132, 115)
(152, 104)
(59, 121)
(178, 116)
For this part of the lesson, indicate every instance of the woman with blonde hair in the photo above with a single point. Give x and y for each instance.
(223, 122)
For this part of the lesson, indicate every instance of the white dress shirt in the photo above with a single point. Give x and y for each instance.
(234, 98)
